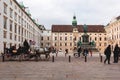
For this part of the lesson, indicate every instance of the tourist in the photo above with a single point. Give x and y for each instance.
(90, 52)
(85, 52)
(66, 52)
(107, 53)
(79, 51)
(116, 53)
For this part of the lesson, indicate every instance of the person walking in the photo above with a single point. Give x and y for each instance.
(90, 52)
(116, 53)
(26, 45)
(85, 52)
(66, 52)
(107, 53)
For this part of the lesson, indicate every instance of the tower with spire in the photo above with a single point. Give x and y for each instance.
(74, 22)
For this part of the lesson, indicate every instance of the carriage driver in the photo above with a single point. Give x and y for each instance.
(26, 45)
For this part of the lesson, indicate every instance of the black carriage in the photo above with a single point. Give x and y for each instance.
(21, 54)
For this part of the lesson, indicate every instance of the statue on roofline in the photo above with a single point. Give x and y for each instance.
(85, 28)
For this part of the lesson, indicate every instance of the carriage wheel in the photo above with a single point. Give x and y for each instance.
(75, 55)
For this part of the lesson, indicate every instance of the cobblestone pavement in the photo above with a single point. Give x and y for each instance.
(61, 69)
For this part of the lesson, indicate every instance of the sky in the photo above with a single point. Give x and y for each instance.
(61, 12)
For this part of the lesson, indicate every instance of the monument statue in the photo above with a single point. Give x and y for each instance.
(85, 36)
(85, 28)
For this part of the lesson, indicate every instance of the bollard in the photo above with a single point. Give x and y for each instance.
(69, 58)
(85, 58)
(3, 58)
(100, 58)
(53, 58)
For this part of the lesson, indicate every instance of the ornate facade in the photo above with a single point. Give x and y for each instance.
(113, 32)
(16, 25)
(67, 36)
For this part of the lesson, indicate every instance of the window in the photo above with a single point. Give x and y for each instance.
(42, 44)
(25, 24)
(19, 38)
(11, 25)
(41, 38)
(65, 44)
(55, 44)
(60, 44)
(4, 34)
(4, 43)
(15, 28)
(95, 38)
(5, 23)
(80, 38)
(100, 44)
(22, 22)
(15, 7)
(70, 38)
(11, 13)
(19, 19)
(47, 38)
(5, 8)
(15, 16)
(55, 38)
(10, 44)
(100, 38)
(11, 36)
(25, 33)
(60, 38)
(105, 38)
(65, 38)
(70, 44)
(19, 30)
(22, 32)
(15, 38)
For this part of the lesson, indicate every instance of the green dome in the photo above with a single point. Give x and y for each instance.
(74, 22)
(21, 4)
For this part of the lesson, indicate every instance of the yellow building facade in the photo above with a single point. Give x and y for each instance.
(113, 32)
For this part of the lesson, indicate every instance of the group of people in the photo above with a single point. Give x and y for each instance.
(116, 53)
(13, 49)
(79, 50)
(84, 52)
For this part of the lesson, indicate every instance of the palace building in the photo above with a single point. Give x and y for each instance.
(113, 31)
(68, 36)
(46, 38)
(16, 25)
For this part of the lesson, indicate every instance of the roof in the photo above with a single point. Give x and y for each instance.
(69, 28)
(118, 17)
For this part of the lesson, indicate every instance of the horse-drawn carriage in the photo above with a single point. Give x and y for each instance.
(22, 53)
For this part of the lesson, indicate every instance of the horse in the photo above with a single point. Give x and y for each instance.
(44, 51)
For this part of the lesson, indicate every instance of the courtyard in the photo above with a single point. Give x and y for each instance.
(60, 69)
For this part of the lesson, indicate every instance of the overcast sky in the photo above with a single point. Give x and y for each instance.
(91, 12)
